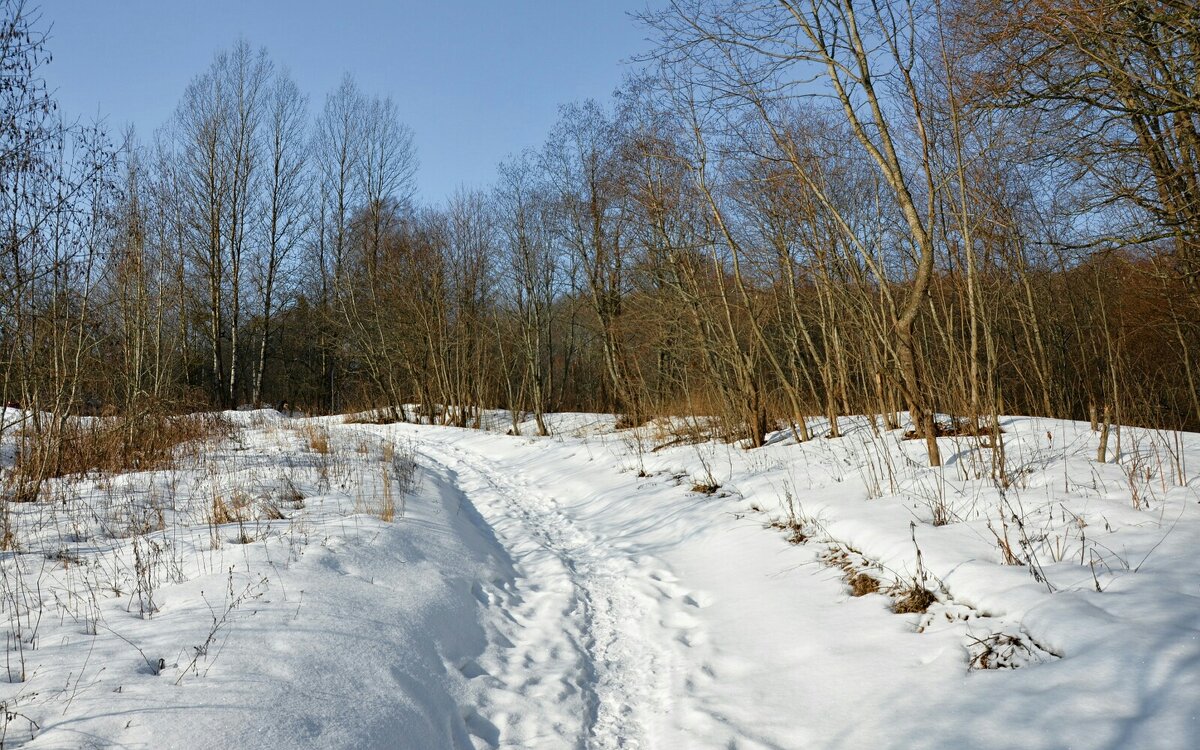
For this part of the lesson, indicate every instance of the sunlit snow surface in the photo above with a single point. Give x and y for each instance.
(574, 592)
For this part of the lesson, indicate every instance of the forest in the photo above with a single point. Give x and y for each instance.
(790, 211)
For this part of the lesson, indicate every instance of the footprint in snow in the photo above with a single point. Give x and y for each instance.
(692, 638)
(471, 669)
(698, 599)
(482, 728)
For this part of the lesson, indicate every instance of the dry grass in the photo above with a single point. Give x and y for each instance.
(629, 421)
(907, 598)
(235, 510)
(958, 427)
(854, 567)
(387, 503)
(862, 584)
(373, 416)
(317, 437)
(912, 599)
(76, 447)
(795, 530)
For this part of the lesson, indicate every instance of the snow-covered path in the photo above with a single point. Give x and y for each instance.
(570, 635)
(609, 634)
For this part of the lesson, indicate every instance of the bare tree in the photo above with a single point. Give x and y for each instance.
(219, 121)
(336, 154)
(532, 268)
(285, 213)
(584, 165)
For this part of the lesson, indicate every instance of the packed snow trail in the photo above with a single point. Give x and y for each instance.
(572, 628)
(595, 641)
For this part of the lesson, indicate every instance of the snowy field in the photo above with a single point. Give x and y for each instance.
(324, 584)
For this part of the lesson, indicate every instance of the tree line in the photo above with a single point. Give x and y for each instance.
(790, 212)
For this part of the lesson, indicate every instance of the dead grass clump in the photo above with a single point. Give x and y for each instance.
(853, 566)
(269, 511)
(795, 530)
(387, 505)
(862, 584)
(232, 511)
(74, 446)
(318, 439)
(912, 599)
(706, 488)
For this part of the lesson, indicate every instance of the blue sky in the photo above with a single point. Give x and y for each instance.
(475, 80)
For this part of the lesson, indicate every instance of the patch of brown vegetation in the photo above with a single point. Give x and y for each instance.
(795, 530)
(73, 447)
(853, 565)
(629, 421)
(374, 416)
(913, 599)
(862, 584)
(958, 427)
(234, 510)
(318, 438)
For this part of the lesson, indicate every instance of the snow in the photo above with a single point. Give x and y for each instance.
(574, 591)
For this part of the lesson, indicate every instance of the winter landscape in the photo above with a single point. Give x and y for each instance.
(833, 384)
(333, 583)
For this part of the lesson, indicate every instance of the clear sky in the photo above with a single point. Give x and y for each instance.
(475, 80)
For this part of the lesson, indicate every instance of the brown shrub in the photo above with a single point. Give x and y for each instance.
(74, 446)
